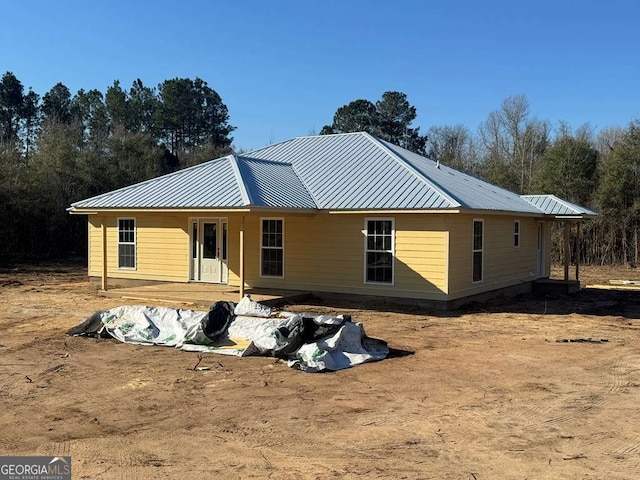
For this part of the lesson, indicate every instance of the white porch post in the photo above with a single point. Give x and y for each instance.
(103, 227)
(578, 251)
(242, 258)
(567, 258)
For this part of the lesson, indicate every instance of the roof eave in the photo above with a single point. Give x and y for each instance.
(105, 210)
(581, 216)
(389, 211)
(515, 213)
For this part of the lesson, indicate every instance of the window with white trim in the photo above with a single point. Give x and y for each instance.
(478, 250)
(516, 233)
(127, 243)
(379, 243)
(272, 247)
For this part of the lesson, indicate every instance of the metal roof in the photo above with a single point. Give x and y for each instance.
(352, 171)
(209, 184)
(552, 205)
(273, 184)
(471, 192)
(355, 171)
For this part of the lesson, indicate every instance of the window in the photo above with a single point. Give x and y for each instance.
(127, 243)
(478, 245)
(379, 250)
(516, 233)
(272, 248)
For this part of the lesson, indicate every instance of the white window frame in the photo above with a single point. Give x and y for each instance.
(392, 251)
(262, 247)
(516, 234)
(134, 243)
(474, 250)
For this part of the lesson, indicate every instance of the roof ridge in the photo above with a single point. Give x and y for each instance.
(567, 203)
(311, 196)
(267, 146)
(328, 135)
(299, 137)
(154, 179)
(246, 196)
(413, 170)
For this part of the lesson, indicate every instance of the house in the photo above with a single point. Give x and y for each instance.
(346, 213)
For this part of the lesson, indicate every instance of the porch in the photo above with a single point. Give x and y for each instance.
(203, 294)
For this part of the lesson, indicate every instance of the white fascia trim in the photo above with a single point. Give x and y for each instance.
(389, 212)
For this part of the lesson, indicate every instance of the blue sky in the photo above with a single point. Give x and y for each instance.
(284, 67)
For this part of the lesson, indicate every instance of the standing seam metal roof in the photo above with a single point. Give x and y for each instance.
(188, 188)
(265, 180)
(552, 205)
(355, 171)
(352, 171)
(471, 192)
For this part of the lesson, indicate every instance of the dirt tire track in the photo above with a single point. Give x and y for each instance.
(471, 401)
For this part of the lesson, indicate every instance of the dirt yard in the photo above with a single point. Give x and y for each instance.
(485, 393)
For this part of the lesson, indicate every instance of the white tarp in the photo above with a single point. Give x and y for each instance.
(344, 345)
(170, 327)
(152, 325)
(347, 347)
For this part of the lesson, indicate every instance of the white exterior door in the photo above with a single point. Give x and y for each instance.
(209, 250)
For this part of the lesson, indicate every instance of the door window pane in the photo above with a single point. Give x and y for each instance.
(210, 242)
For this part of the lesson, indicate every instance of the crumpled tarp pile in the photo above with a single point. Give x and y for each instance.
(311, 343)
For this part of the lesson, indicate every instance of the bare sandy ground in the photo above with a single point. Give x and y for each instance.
(487, 393)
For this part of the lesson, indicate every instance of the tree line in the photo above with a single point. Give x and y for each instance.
(62, 147)
(515, 150)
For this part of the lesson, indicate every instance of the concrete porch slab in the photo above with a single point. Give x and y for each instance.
(203, 294)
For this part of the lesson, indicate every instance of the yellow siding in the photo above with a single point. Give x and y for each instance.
(325, 252)
(95, 246)
(162, 248)
(504, 264)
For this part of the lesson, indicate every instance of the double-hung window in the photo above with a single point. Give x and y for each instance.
(272, 248)
(379, 244)
(478, 250)
(127, 243)
(516, 233)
